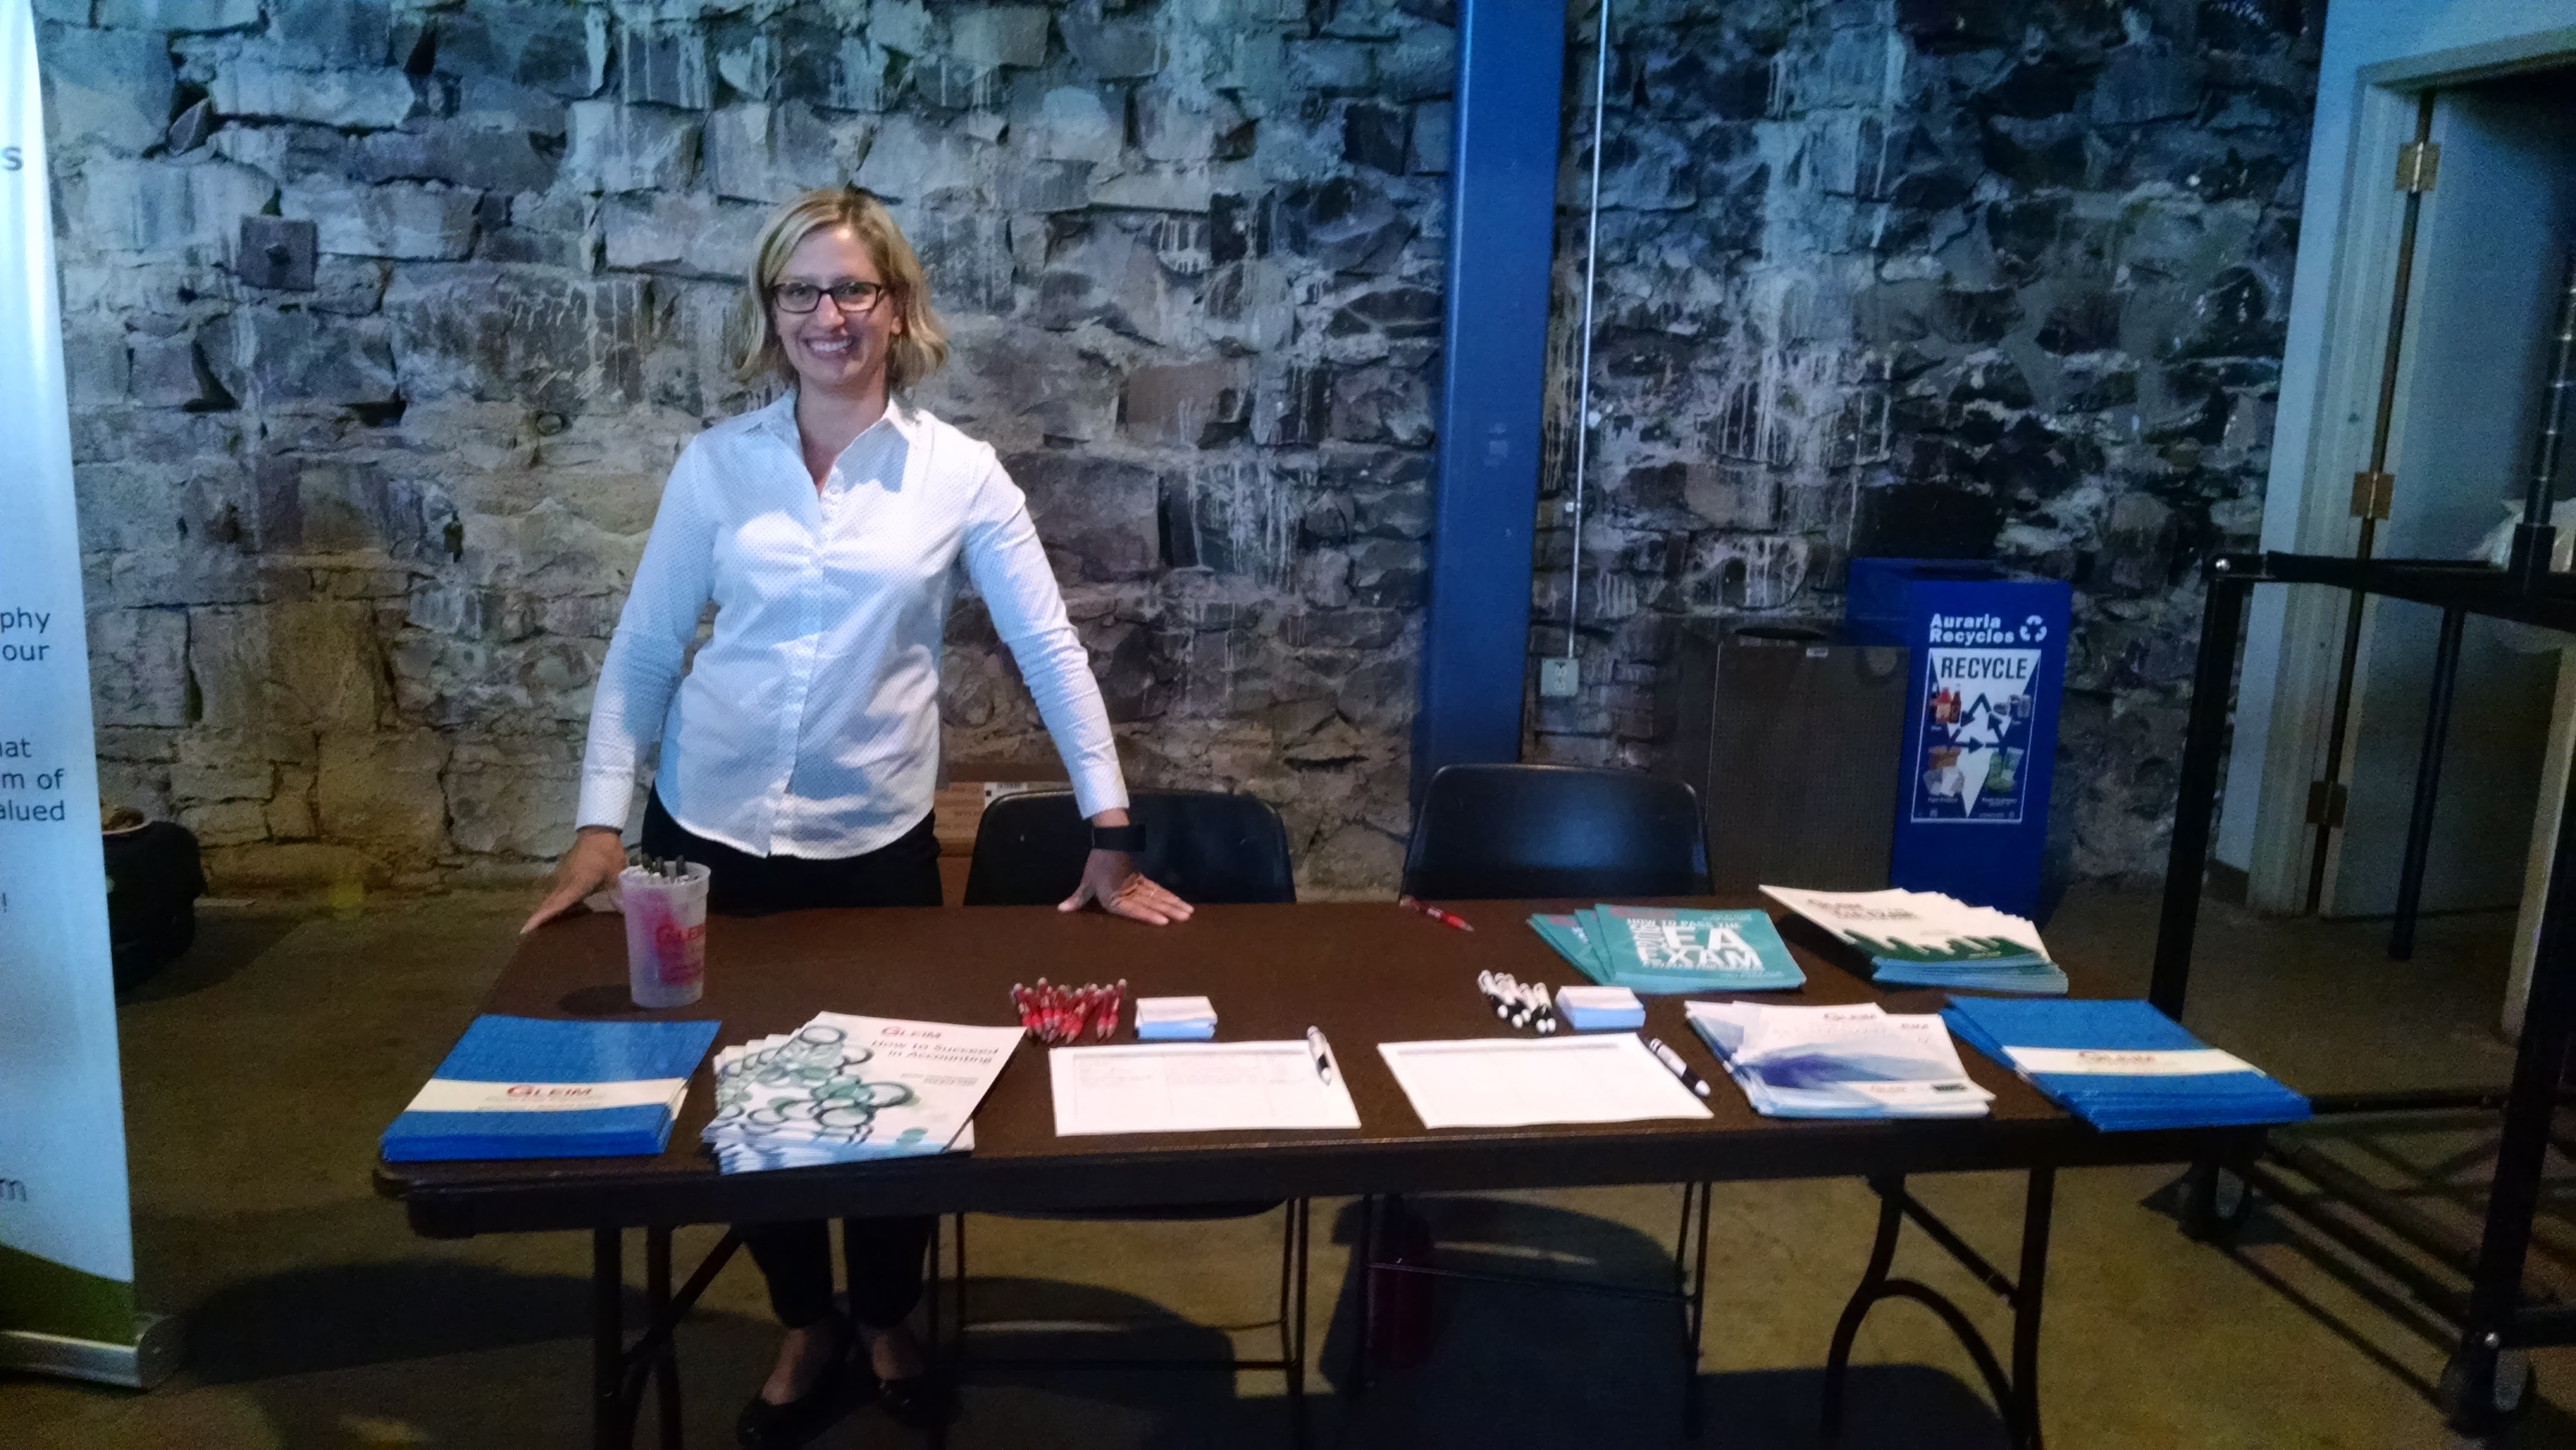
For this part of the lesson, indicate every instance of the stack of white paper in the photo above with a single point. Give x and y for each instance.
(1511, 1082)
(1927, 939)
(1197, 1088)
(844, 1089)
(1839, 1062)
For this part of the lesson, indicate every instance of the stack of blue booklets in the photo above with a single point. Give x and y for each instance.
(2123, 1066)
(1839, 1062)
(1663, 949)
(1929, 939)
(525, 1087)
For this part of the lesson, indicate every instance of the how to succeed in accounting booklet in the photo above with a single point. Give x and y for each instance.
(526, 1087)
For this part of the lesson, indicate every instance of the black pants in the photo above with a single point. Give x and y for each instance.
(884, 1254)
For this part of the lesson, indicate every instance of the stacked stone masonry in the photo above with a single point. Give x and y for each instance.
(385, 321)
(1996, 279)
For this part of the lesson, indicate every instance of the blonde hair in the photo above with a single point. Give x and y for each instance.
(752, 336)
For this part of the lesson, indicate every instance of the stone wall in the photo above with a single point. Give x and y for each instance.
(385, 321)
(1958, 278)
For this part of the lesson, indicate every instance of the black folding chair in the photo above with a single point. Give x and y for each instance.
(1502, 832)
(1499, 832)
(1209, 848)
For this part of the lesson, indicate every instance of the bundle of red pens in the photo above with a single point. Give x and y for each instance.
(1057, 1015)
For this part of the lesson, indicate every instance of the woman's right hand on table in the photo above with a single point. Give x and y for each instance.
(597, 855)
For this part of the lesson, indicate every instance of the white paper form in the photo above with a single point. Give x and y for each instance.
(1194, 1087)
(1511, 1082)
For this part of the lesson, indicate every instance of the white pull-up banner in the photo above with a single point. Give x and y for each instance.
(66, 1244)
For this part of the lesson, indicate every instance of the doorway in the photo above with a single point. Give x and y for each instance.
(2490, 263)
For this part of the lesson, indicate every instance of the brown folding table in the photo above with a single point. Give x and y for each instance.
(1365, 973)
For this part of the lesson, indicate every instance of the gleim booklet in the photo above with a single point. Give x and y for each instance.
(528, 1087)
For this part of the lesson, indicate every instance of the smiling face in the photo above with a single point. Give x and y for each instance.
(832, 350)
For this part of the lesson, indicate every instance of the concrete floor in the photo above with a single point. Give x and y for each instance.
(261, 1068)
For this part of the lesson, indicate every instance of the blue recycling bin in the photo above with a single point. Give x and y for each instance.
(1988, 662)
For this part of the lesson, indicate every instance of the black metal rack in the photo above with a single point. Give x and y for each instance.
(2480, 1288)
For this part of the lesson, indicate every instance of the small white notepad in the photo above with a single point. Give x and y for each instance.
(1512, 1082)
(1194, 1087)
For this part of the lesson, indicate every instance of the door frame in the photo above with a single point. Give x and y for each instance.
(2353, 340)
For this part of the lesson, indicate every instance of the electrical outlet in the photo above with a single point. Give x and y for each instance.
(1560, 678)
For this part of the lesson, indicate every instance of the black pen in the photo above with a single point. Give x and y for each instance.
(1680, 1069)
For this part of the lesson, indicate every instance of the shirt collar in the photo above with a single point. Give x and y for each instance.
(779, 417)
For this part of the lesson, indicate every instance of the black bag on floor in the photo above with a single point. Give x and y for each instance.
(153, 882)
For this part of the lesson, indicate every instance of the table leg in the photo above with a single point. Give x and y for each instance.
(2030, 1290)
(1873, 1280)
(1299, 1227)
(1364, 1255)
(930, 1298)
(2016, 1395)
(666, 1358)
(608, 1423)
(948, 1368)
(1695, 1305)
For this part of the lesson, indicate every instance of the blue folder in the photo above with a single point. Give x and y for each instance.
(2113, 1101)
(537, 1054)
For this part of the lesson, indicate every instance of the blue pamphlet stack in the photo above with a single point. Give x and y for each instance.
(1839, 1062)
(1665, 949)
(1926, 939)
(2123, 1066)
(525, 1087)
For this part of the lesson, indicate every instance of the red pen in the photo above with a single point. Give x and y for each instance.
(1445, 918)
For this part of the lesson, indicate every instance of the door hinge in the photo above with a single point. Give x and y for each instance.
(2371, 493)
(2418, 162)
(2326, 803)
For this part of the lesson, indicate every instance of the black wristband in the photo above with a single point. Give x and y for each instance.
(1129, 839)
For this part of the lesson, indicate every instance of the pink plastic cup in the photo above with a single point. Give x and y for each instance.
(666, 935)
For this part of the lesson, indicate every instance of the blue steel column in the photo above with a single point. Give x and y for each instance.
(1502, 237)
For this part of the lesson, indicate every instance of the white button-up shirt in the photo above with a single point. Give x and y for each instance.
(808, 724)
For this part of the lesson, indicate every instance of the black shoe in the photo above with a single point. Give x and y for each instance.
(836, 1392)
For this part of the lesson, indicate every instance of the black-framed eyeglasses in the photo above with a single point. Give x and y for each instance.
(851, 297)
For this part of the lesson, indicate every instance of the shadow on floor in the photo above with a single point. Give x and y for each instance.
(343, 1316)
(418, 1350)
(225, 943)
(2444, 1190)
(1892, 1406)
(1506, 1365)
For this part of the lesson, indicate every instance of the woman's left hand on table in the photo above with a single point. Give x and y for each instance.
(1111, 879)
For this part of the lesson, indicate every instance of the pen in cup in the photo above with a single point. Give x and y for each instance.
(1679, 1068)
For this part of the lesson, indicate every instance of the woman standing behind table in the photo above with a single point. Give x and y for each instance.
(800, 748)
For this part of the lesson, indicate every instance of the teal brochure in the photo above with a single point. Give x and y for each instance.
(1680, 949)
(1568, 937)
